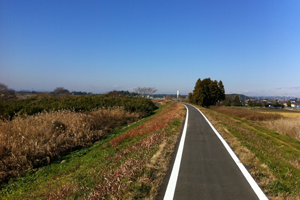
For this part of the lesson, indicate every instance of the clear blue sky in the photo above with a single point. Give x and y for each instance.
(253, 46)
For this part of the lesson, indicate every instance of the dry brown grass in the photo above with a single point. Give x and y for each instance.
(161, 101)
(32, 141)
(246, 113)
(115, 186)
(283, 123)
(287, 114)
(158, 123)
(165, 101)
(142, 163)
(289, 126)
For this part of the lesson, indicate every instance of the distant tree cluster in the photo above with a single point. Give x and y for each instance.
(255, 104)
(60, 91)
(6, 93)
(121, 93)
(227, 101)
(129, 94)
(81, 93)
(115, 93)
(207, 92)
(277, 104)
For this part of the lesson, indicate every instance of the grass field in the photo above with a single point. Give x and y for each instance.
(130, 163)
(248, 114)
(285, 114)
(273, 159)
(290, 114)
(288, 125)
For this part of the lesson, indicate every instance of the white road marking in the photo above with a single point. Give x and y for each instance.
(244, 171)
(175, 171)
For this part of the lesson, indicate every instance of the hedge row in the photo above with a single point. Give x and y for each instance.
(38, 104)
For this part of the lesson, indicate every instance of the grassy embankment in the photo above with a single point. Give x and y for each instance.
(128, 164)
(272, 158)
(28, 142)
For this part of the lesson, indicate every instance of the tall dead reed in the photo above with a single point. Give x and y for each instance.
(32, 141)
(289, 126)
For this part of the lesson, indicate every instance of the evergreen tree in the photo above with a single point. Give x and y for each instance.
(236, 101)
(214, 90)
(250, 103)
(221, 91)
(207, 92)
(190, 98)
(197, 98)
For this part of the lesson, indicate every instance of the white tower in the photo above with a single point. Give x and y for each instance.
(177, 94)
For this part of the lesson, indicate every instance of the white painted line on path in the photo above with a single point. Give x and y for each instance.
(175, 171)
(245, 172)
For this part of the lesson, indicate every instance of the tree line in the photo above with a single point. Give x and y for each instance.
(207, 92)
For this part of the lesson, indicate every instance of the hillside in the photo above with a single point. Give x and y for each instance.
(129, 163)
(241, 96)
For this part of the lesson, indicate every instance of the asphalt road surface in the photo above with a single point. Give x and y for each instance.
(207, 171)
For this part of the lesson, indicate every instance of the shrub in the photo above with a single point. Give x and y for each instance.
(37, 104)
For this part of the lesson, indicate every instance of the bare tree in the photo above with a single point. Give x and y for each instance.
(3, 88)
(6, 93)
(151, 90)
(60, 91)
(145, 90)
(137, 90)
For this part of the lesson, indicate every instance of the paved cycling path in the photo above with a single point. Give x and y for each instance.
(206, 169)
